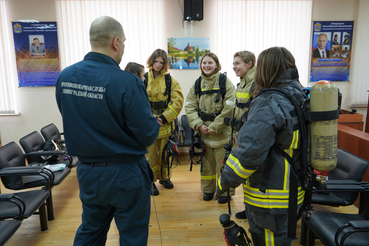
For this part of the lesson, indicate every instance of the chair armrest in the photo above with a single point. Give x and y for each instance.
(41, 153)
(350, 228)
(29, 171)
(17, 201)
(359, 224)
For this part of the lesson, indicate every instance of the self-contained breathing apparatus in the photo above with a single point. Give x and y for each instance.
(317, 129)
(317, 116)
(198, 147)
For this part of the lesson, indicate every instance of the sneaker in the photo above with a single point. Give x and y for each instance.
(154, 190)
(223, 199)
(241, 215)
(167, 184)
(208, 196)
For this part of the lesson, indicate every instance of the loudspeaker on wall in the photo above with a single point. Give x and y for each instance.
(193, 10)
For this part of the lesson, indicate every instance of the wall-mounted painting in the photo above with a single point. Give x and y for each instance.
(186, 53)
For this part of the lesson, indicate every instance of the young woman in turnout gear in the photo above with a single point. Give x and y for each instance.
(165, 111)
(206, 115)
(244, 67)
(269, 123)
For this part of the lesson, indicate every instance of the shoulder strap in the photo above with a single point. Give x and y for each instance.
(222, 86)
(198, 87)
(168, 86)
(146, 78)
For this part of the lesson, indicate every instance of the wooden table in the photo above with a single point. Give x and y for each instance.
(354, 120)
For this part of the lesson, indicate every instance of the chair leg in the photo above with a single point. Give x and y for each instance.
(43, 219)
(303, 232)
(49, 207)
(310, 237)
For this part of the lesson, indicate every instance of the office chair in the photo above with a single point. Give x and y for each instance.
(12, 157)
(338, 229)
(50, 132)
(22, 205)
(349, 167)
(186, 132)
(349, 172)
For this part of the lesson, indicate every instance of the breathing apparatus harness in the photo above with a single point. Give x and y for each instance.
(198, 144)
(170, 150)
(198, 148)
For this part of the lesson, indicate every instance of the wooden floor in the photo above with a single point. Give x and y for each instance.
(178, 216)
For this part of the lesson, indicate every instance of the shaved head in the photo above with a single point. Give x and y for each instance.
(103, 30)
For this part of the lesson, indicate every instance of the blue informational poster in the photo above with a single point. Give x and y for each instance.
(331, 50)
(37, 53)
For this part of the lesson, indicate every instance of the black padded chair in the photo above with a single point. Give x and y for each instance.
(348, 173)
(12, 157)
(336, 229)
(185, 132)
(349, 167)
(33, 143)
(10, 224)
(50, 132)
(22, 205)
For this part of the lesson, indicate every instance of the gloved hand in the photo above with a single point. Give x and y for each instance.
(221, 188)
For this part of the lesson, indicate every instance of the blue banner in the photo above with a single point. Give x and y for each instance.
(331, 50)
(37, 53)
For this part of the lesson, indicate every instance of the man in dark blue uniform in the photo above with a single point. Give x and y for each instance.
(108, 124)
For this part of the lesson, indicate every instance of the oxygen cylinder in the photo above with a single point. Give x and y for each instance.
(323, 97)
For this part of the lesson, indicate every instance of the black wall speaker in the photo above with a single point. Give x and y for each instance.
(193, 10)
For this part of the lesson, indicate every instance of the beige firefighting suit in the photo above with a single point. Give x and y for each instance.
(155, 90)
(213, 159)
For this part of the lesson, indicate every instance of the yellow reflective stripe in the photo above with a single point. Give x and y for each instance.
(234, 163)
(174, 113)
(158, 168)
(203, 177)
(219, 185)
(214, 89)
(243, 95)
(295, 140)
(266, 203)
(165, 131)
(278, 194)
(271, 203)
(269, 237)
(286, 181)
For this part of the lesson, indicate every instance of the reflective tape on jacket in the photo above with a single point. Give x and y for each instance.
(236, 166)
(271, 198)
(165, 131)
(174, 113)
(244, 95)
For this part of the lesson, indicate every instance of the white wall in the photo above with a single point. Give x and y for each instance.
(38, 108)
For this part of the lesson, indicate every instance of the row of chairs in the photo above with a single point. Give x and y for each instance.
(17, 175)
